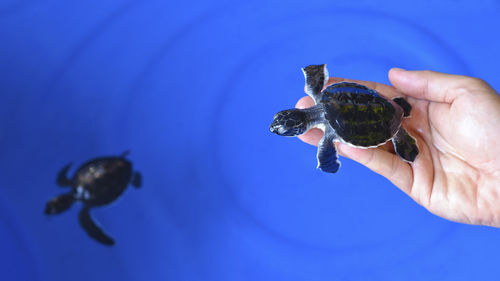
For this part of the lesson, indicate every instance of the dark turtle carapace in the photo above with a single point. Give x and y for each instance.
(350, 113)
(97, 182)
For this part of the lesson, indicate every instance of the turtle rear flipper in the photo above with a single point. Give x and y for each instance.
(92, 229)
(405, 145)
(327, 155)
(62, 178)
(404, 105)
(316, 79)
(137, 180)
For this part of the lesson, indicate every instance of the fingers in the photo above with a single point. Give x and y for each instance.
(305, 102)
(312, 136)
(431, 85)
(381, 162)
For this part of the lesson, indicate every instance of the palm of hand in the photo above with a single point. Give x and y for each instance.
(456, 173)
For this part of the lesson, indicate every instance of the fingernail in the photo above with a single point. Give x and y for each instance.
(398, 69)
(399, 74)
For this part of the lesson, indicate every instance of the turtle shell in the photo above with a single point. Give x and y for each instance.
(359, 115)
(104, 179)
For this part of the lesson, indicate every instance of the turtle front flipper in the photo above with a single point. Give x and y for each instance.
(62, 178)
(137, 180)
(327, 155)
(405, 145)
(316, 78)
(92, 229)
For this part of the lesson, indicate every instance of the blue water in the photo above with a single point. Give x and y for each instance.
(190, 88)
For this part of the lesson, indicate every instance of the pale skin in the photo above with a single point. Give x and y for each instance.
(456, 121)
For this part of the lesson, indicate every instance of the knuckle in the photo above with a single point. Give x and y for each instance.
(469, 85)
(393, 167)
(369, 161)
(477, 82)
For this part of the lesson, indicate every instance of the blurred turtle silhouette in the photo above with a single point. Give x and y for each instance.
(97, 182)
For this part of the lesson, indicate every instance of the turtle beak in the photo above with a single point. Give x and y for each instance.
(273, 128)
(280, 129)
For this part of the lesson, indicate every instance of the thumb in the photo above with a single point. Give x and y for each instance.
(430, 85)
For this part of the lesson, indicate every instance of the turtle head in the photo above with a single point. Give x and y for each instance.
(291, 122)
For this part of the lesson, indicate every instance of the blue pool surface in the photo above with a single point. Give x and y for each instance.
(190, 88)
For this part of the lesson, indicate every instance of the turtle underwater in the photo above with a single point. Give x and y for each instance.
(97, 182)
(349, 113)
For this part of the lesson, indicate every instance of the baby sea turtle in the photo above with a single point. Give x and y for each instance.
(350, 113)
(97, 182)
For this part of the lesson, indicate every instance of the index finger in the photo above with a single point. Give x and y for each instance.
(432, 85)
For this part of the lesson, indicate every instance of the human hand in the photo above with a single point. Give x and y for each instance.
(456, 121)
